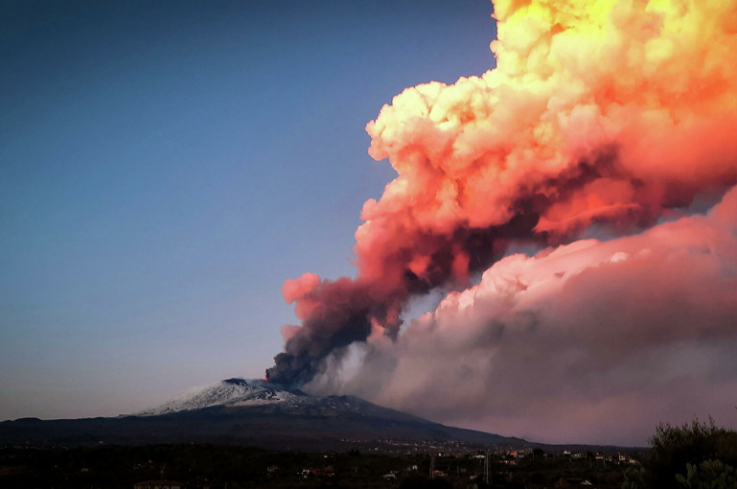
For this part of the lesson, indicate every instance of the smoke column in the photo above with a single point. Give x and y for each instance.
(607, 112)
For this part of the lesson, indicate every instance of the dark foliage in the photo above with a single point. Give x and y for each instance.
(673, 447)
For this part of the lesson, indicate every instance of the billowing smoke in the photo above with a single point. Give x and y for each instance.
(588, 342)
(607, 112)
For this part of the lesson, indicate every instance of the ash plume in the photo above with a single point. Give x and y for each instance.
(597, 112)
(593, 341)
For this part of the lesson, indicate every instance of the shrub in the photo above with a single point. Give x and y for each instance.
(710, 474)
(673, 447)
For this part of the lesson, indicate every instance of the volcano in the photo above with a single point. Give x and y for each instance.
(255, 413)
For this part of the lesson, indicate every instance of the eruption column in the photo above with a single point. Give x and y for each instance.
(597, 112)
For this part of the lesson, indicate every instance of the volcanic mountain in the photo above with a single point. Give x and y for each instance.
(254, 413)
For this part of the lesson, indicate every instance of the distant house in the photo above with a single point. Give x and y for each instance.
(623, 458)
(159, 485)
(328, 471)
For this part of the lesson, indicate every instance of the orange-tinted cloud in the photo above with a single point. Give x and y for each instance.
(597, 112)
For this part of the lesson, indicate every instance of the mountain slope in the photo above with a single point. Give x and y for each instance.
(254, 413)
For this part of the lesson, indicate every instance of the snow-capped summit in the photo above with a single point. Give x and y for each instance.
(229, 392)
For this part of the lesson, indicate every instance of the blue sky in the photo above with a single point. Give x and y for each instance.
(165, 166)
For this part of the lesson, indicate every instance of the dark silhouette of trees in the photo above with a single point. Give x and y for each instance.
(676, 447)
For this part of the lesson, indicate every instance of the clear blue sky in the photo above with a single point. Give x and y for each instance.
(166, 165)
